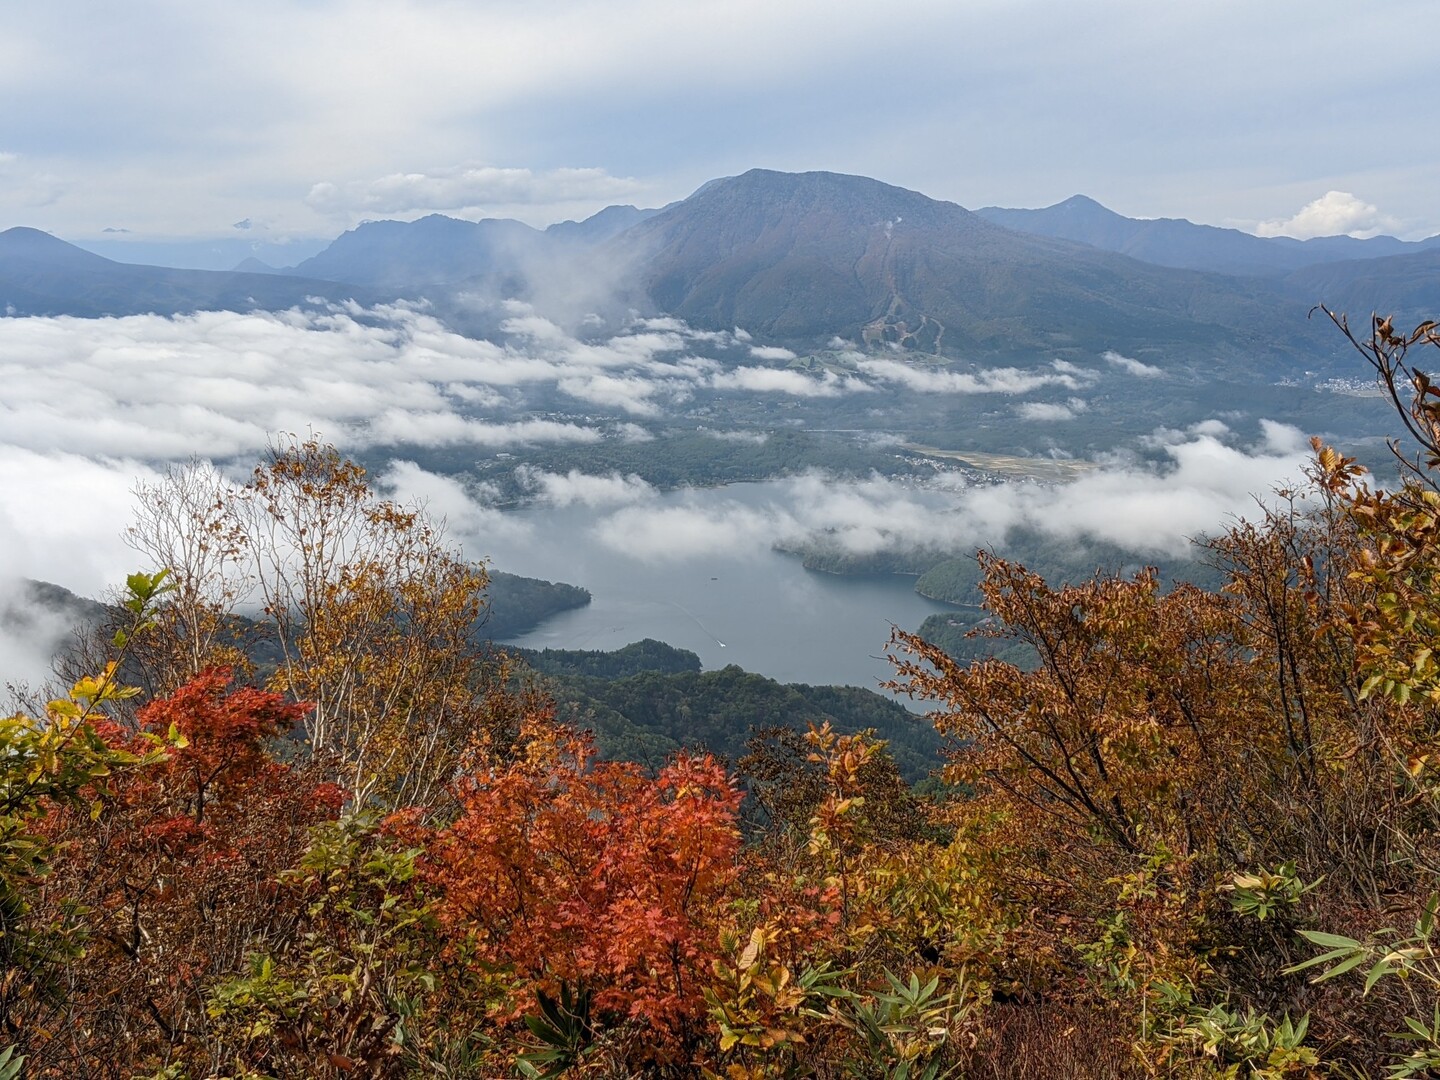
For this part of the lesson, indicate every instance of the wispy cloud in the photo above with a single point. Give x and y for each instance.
(1006, 380)
(1204, 480)
(586, 489)
(767, 380)
(771, 352)
(1050, 410)
(30, 635)
(92, 404)
(467, 188)
(1131, 366)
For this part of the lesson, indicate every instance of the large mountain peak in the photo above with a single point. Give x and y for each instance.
(1084, 206)
(40, 248)
(829, 193)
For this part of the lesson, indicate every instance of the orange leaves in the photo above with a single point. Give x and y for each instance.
(225, 731)
(598, 876)
(1116, 725)
(178, 871)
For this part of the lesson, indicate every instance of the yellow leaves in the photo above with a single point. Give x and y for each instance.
(89, 691)
(752, 950)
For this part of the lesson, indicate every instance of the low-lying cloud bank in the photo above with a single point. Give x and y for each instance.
(1204, 480)
(93, 406)
(220, 383)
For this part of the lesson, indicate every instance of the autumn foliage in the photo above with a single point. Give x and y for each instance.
(562, 870)
(1194, 836)
(171, 872)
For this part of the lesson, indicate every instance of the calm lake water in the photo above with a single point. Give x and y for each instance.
(748, 605)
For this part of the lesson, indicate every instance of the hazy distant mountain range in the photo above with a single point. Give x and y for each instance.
(41, 275)
(1187, 246)
(801, 258)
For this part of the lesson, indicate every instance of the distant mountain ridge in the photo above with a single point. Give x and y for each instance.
(43, 275)
(437, 249)
(801, 258)
(1184, 245)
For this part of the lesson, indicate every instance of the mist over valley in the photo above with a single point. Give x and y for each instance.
(747, 539)
(895, 381)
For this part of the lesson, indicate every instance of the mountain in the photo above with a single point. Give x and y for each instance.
(210, 253)
(600, 226)
(1406, 286)
(1178, 243)
(804, 256)
(42, 275)
(404, 254)
(409, 255)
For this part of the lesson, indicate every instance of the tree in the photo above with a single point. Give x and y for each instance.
(1397, 636)
(568, 872)
(56, 764)
(171, 877)
(369, 612)
(182, 522)
(1118, 727)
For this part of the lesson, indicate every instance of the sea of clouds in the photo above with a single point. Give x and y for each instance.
(91, 407)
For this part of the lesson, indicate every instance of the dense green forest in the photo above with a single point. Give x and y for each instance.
(648, 701)
(516, 604)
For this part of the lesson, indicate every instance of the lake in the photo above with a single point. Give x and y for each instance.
(748, 605)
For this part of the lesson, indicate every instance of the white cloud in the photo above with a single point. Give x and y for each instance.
(629, 393)
(1131, 366)
(670, 533)
(984, 381)
(471, 188)
(465, 512)
(61, 515)
(89, 402)
(1217, 429)
(1152, 510)
(219, 384)
(584, 488)
(784, 381)
(1050, 410)
(1336, 213)
(771, 352)
(446, 429)
(30, 635)
(632, 433)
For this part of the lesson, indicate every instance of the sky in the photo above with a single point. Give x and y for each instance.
(278, 124)
(279, 121)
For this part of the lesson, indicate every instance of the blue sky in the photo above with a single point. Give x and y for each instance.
(299, 118)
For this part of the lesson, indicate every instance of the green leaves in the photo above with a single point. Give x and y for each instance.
(1410, 957)
(141, 593)
(1265, 892)
(564, 1030)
